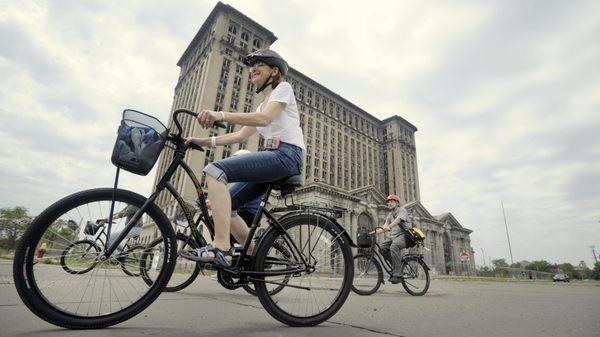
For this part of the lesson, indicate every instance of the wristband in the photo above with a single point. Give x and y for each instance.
(213, 141)
(222, 116)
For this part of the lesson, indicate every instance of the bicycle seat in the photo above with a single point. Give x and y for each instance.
(288, 184)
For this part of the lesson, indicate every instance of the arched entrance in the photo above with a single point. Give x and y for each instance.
(447, 253)
(365, 223)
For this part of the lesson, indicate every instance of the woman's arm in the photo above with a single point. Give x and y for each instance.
(206, 118)
(230, 138)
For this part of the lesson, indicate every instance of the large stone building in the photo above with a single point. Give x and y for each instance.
(353, 159)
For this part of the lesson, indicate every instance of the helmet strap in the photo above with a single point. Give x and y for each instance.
(266, 84)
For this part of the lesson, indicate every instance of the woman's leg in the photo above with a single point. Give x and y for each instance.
(259, 168)
(240, 231)
(221, 210)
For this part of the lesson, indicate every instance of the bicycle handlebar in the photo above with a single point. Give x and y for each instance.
(177, 137)
(189, 112)
(376, 228)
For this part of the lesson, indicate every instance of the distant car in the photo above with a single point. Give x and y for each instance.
(560, 277)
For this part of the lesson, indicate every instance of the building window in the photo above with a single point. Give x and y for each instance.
(232, 28)
(256, 43)
(245, 36)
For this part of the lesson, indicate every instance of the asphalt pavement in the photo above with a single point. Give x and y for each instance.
(450, 308)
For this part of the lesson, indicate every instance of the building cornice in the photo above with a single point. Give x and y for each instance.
(402, 120)
(218, 9)
(296, 72)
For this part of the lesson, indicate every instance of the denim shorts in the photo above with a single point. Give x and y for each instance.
(253, 173)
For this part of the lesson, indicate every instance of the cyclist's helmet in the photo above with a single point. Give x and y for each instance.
(393, 197)
(269, 57)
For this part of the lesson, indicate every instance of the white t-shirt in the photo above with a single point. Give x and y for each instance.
(287, 125)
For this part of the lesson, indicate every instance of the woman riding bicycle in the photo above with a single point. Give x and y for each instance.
(392, 247)
(277, 120)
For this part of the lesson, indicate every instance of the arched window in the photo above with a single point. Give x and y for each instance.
(232, 28)
(365, 223)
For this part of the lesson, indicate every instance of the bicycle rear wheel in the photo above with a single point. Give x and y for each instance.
(368, 275)
(314, 292)
(104, 295)
(415, 276)
(284, 252)
(185, 271)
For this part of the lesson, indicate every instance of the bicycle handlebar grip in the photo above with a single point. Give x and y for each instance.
(189, 112)
(195, 147)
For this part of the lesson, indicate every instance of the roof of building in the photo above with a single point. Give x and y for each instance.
(402, 120)
(220, 7)
(333, 94)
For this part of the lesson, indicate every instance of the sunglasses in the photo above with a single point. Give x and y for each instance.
(256, 65)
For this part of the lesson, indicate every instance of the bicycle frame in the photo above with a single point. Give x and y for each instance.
(387, 265)
(178, 161)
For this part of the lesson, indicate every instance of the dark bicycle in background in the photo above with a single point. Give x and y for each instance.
(369, 265)
(82, 255)
(304, 255)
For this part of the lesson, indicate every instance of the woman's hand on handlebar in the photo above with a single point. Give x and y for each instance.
(206, 118)
(380, 230)
(198, 141)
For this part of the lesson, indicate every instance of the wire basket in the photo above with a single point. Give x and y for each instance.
(364, 240)
(91, 228)
(140, 140)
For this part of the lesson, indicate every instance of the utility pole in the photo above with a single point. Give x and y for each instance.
(483, 256)
(507, 236)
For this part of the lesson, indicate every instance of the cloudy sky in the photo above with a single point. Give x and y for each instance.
(506, 96)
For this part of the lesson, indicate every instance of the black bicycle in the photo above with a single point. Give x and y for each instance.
(187, 271)
(315, 273)
(369, 265)
(81, 256)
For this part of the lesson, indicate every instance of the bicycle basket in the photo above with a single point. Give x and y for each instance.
(91, 228)
(364, 240)
(140, 140)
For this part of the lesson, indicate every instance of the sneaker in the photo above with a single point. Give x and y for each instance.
(394, 280)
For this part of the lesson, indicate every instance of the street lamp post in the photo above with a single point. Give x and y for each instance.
(507, 236)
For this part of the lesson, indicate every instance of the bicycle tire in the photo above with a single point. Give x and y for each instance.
(406, 269)
(132, 263)
(372, 261)
(65, 254)
(171, 286)
(249, 288)
(274, 304)
(37, 299)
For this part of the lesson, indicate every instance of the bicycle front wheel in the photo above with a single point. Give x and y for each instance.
(103, 295)
(368, 275)
(80, 257)
(315, 291)
(415, 276)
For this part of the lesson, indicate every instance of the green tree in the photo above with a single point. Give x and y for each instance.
(13, 222)
(516, 265)
(596, 272)
(568, 269)
(499, 263)
(541, 265)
